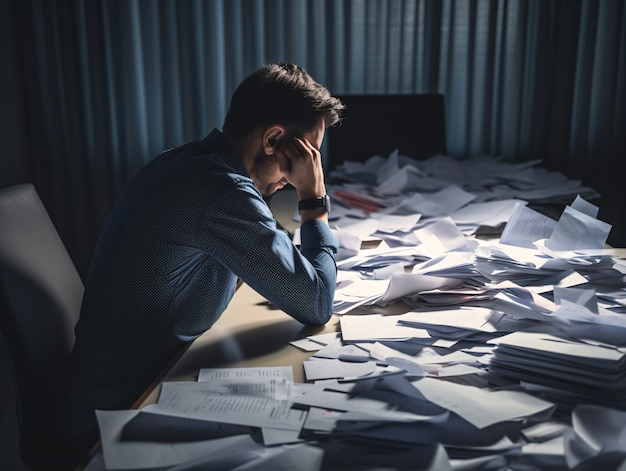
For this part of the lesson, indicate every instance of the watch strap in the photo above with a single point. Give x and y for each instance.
(315, 203)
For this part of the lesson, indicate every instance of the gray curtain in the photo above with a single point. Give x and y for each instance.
(94, 89)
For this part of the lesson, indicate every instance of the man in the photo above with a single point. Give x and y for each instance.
(191, 224)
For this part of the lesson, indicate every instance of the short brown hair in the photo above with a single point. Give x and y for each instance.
(284, 94)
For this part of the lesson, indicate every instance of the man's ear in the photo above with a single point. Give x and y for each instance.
(271, 137)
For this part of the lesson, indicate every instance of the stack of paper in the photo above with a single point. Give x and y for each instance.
(570, 371)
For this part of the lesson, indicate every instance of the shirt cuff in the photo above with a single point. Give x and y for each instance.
(316, 233)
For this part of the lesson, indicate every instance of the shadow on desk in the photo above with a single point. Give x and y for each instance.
(256, 342)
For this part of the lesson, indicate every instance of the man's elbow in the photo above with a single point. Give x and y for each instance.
(320, 313)
(319, 318)
(316, 311)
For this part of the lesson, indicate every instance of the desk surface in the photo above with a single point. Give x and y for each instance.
(250, 333)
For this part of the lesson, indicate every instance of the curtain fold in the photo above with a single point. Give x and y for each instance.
(108, 84)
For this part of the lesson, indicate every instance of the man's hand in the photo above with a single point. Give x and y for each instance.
(301, 164)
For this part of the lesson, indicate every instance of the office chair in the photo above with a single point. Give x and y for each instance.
(378, 124)
(40, 297)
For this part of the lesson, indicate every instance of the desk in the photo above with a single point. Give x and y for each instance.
(249, 333)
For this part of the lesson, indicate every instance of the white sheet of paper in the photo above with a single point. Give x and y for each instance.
(407, 179)
(209, 374)
(554, 447)
(137, 455)
(360, 228)
(349, 244)
(380, 256)
(385, 273)
(576, 230)
(318, 396)
(390, 223)
(405, 284)
(425, 363)
(416, 203)
(471, 318)
(347, 352)
(321, 368)
(362, 289)
(271, 382)
(374, 327)
(522, 255)
(526, 226)
(322, 419)
(317, 342)
(302, 457)
(446, 263)
(573, 279)
(452, 198)
(188, 399)
(446, 233)
(584, 206)
(582, 296)
(357, 293)
(491, 213)
(544, 431)
(276, 436)
(596, 430)
(307, 345)
(481, 407)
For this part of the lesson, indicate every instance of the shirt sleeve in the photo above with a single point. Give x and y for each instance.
(241, 233)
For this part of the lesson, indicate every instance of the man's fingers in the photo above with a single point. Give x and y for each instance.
(304, 145)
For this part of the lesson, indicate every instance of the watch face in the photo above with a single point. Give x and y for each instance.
(327, 203)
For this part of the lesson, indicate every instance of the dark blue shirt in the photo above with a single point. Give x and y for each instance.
(166, 265)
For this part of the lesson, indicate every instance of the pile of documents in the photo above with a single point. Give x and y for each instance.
(488, 178)
(455, 351)
(385, 417)
(568, 371)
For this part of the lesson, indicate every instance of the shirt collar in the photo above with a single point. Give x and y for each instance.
(218, 143)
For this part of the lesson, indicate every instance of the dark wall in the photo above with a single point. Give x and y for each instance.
(18, 137)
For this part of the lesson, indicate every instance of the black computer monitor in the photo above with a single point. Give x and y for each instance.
(377, 124)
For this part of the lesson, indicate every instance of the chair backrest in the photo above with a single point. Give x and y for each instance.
(378, 124)
(40, 297)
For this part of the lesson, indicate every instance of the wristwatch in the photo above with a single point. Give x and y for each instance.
(315, 203)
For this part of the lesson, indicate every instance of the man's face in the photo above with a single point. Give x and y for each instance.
(267, 175)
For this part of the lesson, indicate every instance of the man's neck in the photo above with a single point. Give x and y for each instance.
(245, 148)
